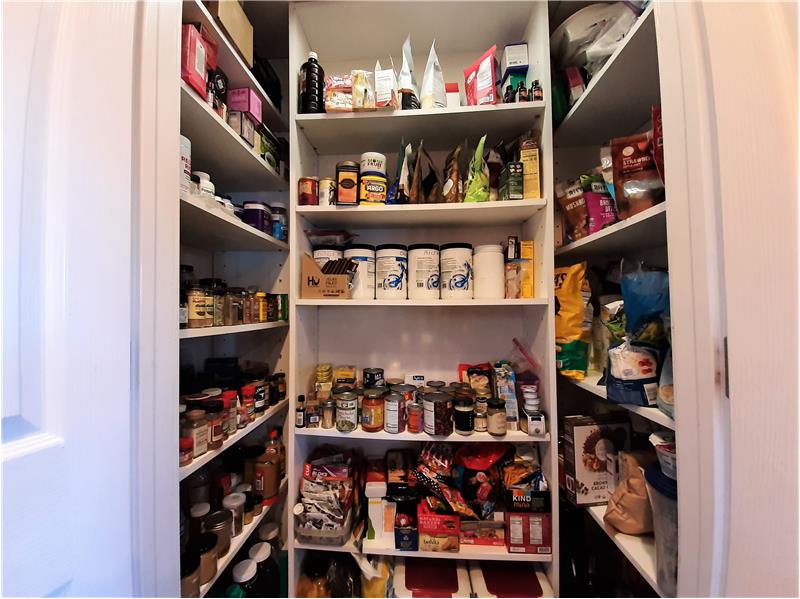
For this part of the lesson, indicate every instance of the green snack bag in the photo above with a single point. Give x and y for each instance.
(478, 180)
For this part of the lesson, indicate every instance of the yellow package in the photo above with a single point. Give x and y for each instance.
(375, 586)
(527, 284)
(573, 329)
(529, 157)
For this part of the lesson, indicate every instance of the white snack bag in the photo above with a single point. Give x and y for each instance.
(385, 87)
(407, 82)
(433, 90)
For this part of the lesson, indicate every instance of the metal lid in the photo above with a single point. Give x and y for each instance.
(436, 384)
(374, 392)
(347, 396)
(403, 388)
(198, 510)
(394, 397)
(437, 396)
(218, 520)
(260, 551)
(348, 163)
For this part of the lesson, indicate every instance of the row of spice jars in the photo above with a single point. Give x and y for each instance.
(209, 418)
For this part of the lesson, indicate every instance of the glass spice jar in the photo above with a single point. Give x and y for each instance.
(219, 306)
(229, 403)
(196, 300)
(197, 428)
(328, 413)
(214, 418)
(261, 303)
(481, 422)
(372, 410)
(249, 401)
(185, 449)
(190, 574)
(497, 417)
(248, 298)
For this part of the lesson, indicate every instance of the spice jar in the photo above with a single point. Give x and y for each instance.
(190, 574)
(229, 401)
(247, 307)
(497, 417)
(280, 380)
(197, 428)
(219, 306)
(414, 411)
(198, 488)
(346, 411)
(214, 419)
(482, 397)
(270, 533)
(185, 449)
(249, 508)
(261, 303)
(394, 413)
(235, 503)
(372, 410)
(249, 401)
(221, 524)
(196, 306)
(464, 416)
(328, 413)
(197, 515)
(205, 546)
(438, 418)
(481, 422)
(258, 504)
(234, 307)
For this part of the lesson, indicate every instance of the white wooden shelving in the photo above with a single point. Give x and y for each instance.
(480, 214)
(232, 330)
(639, 549)
(474, 303)
(204, 459)
(617, 100)
(238, 542)
(332, 433)
(218, 150)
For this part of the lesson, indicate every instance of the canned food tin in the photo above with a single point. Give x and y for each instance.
(308, 191)
(394, 382)
(327, 192)
(436, 384)
(438, 414)
(407, 391)
(394, 416)
(346, 411)
(373, 377)
(372, 189)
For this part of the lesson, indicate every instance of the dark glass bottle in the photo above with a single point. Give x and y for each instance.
(510, 95)
(268, 576)
(312, 86)
(522, 92)
(300, 412)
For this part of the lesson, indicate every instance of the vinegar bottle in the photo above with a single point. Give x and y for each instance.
(312, 86)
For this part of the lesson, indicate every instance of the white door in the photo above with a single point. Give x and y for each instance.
(71, 428)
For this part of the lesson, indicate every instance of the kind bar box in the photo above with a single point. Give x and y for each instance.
(529, 533)
(587, 443)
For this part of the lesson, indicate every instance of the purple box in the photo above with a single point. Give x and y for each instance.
(245, 99)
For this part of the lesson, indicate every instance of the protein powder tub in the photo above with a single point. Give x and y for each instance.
(391, 267)
(364, 280)
(423, 271)
(455, 278)
(325, 253)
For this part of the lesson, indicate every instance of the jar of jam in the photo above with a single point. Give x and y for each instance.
(394, 413)
(438, 414)
(372, 410)
(497, 417)
(414, 411)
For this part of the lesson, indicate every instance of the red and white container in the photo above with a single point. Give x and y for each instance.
(423, 577)
(507, 579)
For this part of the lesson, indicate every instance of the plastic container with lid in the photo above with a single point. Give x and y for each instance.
(245, 575)
(235, 503)
(489, 272)
(270, 532)
(455, 266)
(391, 269)
(221, 524)
(363, 255)
(663, 493)
(269, 578)
(422, 577)
(280, 221)
(258, 216)
(372, 163)
(423, 271)
(190, 574)
(326, 253)
(205, 546)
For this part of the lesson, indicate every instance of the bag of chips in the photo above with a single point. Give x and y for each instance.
(637, 184)
(478, 180)
(573, 320)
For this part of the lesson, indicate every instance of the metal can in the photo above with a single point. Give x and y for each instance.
(436, 384)
(394, 420)
(414, 411)
(394, 382)
(438, 414)
(373, 377)
(407, 391)
(308, 191)
(346, 411)
(372, 189)
(327, 192)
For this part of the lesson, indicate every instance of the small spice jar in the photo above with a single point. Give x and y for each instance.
(328, 413)
(229, 401)
(464, 415)
(185, 450)
(214, 417)
(258, 504)
(438, 418)
(219, 294)
(414, 411)
(196, 305)
(247, 307)
(249, 509)
(394, 420)
(482, 397)
(190, 574)
(205, 546)
(346, 411)
(249, 401)
(221, 524)
(197, 515)
(372, 410)
(481, 422)
(235, 503)
(261, 306)
(197, 429)
(497, 417)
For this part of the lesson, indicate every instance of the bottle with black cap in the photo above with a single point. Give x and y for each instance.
(312, 86)
(269, 578)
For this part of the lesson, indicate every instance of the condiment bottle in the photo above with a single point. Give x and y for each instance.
(268, 576)
(497, 417)
(229, 403)
(536, 91)
(216, 434)
(300, 412)
(311, 88)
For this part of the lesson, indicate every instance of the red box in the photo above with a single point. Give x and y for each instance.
(529, 533)
(193, 59)
(480, 80)
(245, 99)
(491, 533)
(437, 532)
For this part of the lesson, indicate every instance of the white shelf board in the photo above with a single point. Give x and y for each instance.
(232, 440)
(617, 100)
(238, 542)
(205, 225)
(510, 437)
(232, 330)
(640, 550)
(477, 214)
(218, 150)
(537, 301)
(648, 229)
(650, 413)
(232, 64)
(442, 129)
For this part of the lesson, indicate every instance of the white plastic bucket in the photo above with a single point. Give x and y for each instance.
(391, 271)
(455, 266)
(423, 271)
(364, 280)
(489, 272)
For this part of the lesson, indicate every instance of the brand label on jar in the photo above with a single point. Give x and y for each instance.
(456, 273)
(429, 419)
(200, 438)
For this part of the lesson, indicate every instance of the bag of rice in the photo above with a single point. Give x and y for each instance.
(573, 320)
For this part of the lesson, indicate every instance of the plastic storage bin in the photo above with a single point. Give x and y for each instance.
(663, 493)
(422, 577)
(505, 579)
(325, 537)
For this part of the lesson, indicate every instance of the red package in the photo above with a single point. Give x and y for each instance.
(637, 184)
(658, 141)
(600, 208)
(193, 59)
(479, 80)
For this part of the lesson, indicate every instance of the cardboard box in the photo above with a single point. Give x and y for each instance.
(515, 59)
(193, 59)
(587, 443)
(525, 500)
(236, 25)
(244, 127)
(245, 100)
(489, 533)
(437, 532)
(315, 285)
(529, 533)
(527, 284)
(531, 182)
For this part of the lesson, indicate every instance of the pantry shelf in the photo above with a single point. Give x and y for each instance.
(648, 229)
(473, 303)
(640, 550)
(205, 225)
(238, 542)
(479, 214)
(510, 437)
(651, 414)
(440, 128)
(232, 330)
(233, 66)
(204, 459)
(618, 99)
(221, 152)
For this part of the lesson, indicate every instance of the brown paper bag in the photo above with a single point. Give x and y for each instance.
(629, 508)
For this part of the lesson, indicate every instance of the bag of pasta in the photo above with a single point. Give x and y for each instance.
(573, 320)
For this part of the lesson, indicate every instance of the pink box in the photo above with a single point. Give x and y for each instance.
(245, 99)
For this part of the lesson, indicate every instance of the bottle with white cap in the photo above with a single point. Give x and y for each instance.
(268, 575)
(245, 580)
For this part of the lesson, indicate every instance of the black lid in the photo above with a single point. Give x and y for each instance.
(195, 178)
(457, 244)
(460, 400)
(257, 498)
(301, 398)
(253, 451)
(203, 543)
(213, 282)
(496, 402)
(423, 246)
(249, 502)
(390, 246)
(661, 482)
(336, 248)
(190, 561)
(360, 246)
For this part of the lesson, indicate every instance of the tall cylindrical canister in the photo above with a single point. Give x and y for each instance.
(455, 278)
(423, 271)
(391, 270)
(488, 265)
(363, 255)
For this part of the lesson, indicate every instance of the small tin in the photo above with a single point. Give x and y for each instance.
(407, 391)
(373, 377)
(438, 414)
(308, 191)
(394, 420)
(327, 192)
(347, 183)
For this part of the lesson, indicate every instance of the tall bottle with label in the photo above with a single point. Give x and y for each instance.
(311, 88)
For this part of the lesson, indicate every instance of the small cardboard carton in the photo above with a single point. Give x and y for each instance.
(437, 532)
(529, 533)
(315, 285)
(236, 24)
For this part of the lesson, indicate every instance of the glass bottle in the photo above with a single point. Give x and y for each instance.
(196, 307)
(300, 412)
(197, 428)
(214, 418)
(497, 417)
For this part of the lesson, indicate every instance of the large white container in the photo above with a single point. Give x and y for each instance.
(325, 253)
(186, 167)
(423, 271)
(455, 266)
(489, 268)
(364, 280)
(391, 270)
